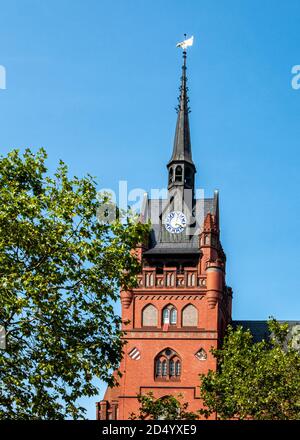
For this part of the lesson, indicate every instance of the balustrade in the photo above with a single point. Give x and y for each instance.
(171, 278)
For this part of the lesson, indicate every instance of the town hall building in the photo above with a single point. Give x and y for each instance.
(182, 304)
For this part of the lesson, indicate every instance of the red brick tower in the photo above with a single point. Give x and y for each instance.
(182, 304)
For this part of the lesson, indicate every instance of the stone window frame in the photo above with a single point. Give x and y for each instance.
(167, 366)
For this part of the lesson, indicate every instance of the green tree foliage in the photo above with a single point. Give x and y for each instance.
(254, 380)
(60, 270)
(166, 408)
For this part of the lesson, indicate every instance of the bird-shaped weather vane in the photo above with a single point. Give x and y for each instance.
(185, 43)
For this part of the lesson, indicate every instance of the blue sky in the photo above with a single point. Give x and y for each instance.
(96, 82)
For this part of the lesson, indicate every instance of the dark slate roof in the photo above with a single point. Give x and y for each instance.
(160, 250)
(161, 241)
(259, 329)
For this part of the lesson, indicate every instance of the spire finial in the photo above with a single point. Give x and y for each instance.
(184, 49)
(184, 44)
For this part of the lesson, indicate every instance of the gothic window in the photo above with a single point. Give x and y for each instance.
(166, 316)
(178, 173)
(190, 316)
(170, 315)
(172, 367)
(167, 365)
(164, 368)
(149, 316)
(158, 368)
(173, 316)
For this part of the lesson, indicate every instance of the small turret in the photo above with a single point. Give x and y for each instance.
(214, 282)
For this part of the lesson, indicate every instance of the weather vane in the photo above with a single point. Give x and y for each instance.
(185, 43)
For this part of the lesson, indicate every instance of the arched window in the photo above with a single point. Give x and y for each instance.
(158, 368)
(188, 176)
(190, 316)
(166, 316)
(149, 316)
(178, 173)
(172, 367)
(170, 175)
(173, 316)
(170, 315)
(167, 365)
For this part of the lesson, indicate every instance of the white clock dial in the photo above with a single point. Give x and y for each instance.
(175, 222)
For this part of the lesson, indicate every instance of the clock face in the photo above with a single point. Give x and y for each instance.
(175, 222)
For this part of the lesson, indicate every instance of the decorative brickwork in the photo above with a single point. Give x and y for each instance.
(181, 305)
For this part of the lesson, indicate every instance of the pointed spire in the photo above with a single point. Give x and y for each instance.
(216, 208)
(182, 142)
(181, 166)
